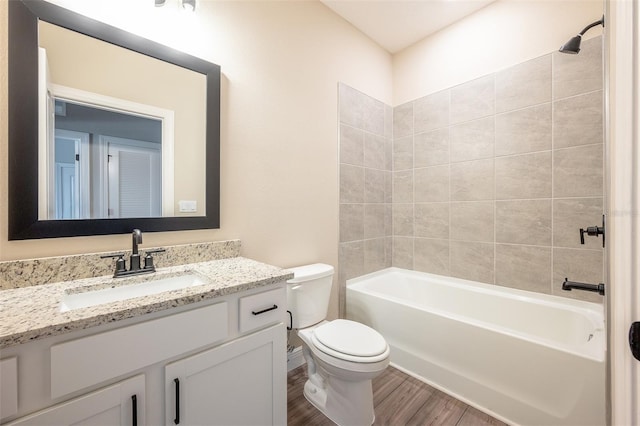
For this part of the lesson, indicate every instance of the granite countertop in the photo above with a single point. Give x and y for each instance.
(33, 312)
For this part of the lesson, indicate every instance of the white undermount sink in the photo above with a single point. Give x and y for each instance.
(123, 292)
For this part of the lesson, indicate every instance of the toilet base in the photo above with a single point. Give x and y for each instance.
(339, 389)
(344, 403)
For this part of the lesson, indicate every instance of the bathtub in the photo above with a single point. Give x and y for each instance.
(522, 357)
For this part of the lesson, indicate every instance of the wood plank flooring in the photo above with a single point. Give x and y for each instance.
(398, 400)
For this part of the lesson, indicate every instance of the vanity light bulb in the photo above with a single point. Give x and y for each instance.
(159, 3)
(189, 5)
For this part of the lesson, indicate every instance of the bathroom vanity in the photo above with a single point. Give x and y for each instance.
(202, 354)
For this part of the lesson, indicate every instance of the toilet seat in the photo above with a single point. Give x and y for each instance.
(350, 341)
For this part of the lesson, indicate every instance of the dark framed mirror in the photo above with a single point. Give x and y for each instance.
(25, 222)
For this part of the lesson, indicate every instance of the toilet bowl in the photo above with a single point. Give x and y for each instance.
(342, 356)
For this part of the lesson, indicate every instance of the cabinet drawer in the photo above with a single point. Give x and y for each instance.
(262, 309)
(91, 360)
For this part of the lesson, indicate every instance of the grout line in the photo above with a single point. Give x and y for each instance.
(495, 182)
(553, 110)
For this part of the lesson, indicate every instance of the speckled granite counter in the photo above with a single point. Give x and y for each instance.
(32, 313)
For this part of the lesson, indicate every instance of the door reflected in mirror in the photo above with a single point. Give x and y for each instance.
(111, 118)
(105, 164)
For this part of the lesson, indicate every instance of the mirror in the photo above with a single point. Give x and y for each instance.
(61, 179)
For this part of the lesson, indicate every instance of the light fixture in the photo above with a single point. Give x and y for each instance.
(573, 45)
(189, 5)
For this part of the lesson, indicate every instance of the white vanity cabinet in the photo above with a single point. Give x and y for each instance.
(238, 383)
(120, 404)
(228, 354)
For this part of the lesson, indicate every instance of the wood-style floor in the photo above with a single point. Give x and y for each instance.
(398, 400)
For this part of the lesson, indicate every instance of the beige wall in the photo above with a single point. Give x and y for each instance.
(92, 65)
(501, 35)
(281, 63)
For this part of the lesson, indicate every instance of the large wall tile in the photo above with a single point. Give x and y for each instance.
(374, 190)
(351, 260)
(351, 145)
(472, 221)
(578, 120)
(388, 220)
(571, 214)
(524, 176)
(431, 148)
(431, 184)
(388, 252)
(576, 74)
(351, 105)
(388, 187)
(402, 252)
(523, 85)
(351, 184)
(473, 140)
(523, 131)
(388, 122)
(374, 221)
(373, 116)
(584, 266)
(403, 120)
(578, 171)
(374, 155)
(403, 153)
(472, 180)
(431, 220)
(472, 261)
(431, 256)
(374, 255)
(524, 222)
(524, 267)
(431, 112)
(403, 186)
(402, 220)
(351, 222)
(472, 100)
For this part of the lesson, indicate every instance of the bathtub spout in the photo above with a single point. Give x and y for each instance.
(570, 285)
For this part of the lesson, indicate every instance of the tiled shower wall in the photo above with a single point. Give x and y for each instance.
(365, 185)
(493, 178)
(489, 180)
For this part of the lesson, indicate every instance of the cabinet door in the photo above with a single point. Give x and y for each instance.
(119, 404)
(242, 382)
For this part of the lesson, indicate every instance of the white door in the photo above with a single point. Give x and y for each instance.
(623, 231)
(242, 382)
(70, 165)
(119, 404)
(134, 178)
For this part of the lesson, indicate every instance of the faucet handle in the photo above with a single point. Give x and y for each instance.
(121, 264)
(148, 259)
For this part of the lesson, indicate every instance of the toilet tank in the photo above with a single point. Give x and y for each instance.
(308, 294)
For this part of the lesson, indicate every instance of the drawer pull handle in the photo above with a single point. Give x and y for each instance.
(265, 310)
(134, 403)
(177, 419)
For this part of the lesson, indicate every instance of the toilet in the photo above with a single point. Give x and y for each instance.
(342, 356)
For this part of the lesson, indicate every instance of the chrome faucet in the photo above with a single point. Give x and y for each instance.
(134, 261)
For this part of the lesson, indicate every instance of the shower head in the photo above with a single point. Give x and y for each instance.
(573, 45)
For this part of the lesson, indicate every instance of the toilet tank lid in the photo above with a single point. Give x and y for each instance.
(310, 272)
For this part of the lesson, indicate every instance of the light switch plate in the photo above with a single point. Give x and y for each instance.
(187, 206)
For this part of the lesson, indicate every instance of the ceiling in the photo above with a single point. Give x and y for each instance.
(397, 24)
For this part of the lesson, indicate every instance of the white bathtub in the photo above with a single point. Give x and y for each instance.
(523, 357)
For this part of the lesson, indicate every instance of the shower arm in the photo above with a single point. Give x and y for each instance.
(593, 24)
